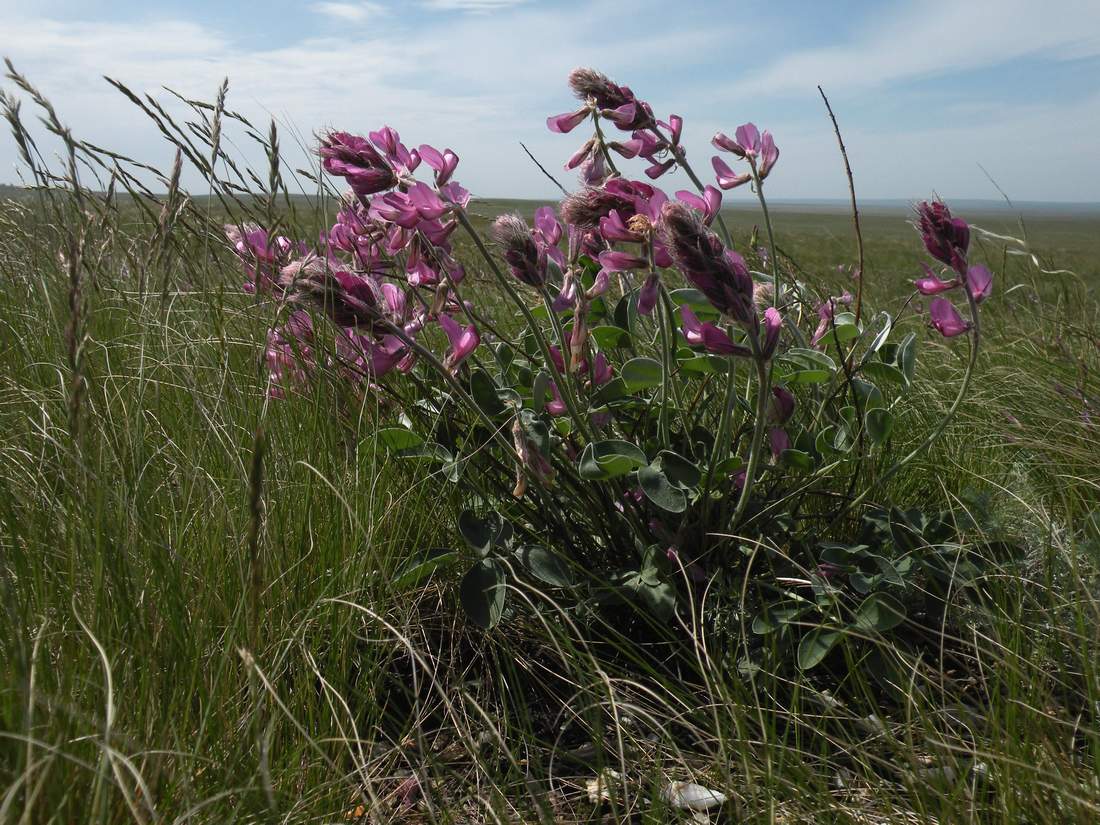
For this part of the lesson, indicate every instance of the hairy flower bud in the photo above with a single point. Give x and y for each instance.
(945, 237)
(519, 249)
(352, 157)
(720, 274)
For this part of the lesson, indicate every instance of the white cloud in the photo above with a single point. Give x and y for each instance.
(929, 38)
(350, 12)
(472, 5)
(475, 83)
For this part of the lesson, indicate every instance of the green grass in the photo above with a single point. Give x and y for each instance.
(202, 622)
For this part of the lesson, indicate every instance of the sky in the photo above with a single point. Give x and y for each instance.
(928, 93)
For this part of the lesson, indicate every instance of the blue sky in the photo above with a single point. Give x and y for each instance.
(925, 91)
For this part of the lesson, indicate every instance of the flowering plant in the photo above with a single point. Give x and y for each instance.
(662, 414)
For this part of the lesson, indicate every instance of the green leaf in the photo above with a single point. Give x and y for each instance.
(844, 328)
(641, 373)
(808, 377)
(660, 491)
(610, 337)
(484, 392)
(703, 364)
(482, 534)
(613, 390)
(695, 299)
(879, 612)
(907, 357)
(809, 359)
(602, 460)
(482, 593)
(883, 372)
(797, 460)
(398, 438)
(815, 646)
(421, 566)
(868, 394)
(879, 424)
(773, 618)
(679, 470)
(539, 388)
(883, 334)
(545, 565)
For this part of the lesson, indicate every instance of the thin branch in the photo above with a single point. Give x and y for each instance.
(543, 169)
(855, 207)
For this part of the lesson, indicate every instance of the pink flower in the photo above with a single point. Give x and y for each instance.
(709, 203)
(727, 178)
(751, 144)
(463, 341)
(946, 319)
(825, 312)
(782, 406)
(621, 261)
(443, 163)
(945, 237)
(931, 284)
(719, 273)
(712, 339)
(779, 441)
(979, 281)
(647, 295)
(565, 123)
(773, 323)
(353, 158)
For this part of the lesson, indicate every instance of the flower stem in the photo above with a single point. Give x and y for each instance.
(975, 342)
(544, 347)
(763, 393)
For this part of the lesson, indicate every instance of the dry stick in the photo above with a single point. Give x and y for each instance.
(855, 207)
(542, 169)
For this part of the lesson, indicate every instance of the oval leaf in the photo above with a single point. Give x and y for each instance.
(482, 593)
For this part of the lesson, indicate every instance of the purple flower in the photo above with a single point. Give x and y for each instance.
(773, 323)
(979, 281)
(931, 284)
(709, 203)
(621, 261)
(720, 274)
(353, 158)
(727, 178)
(455, 195)
(389, 142)
(674, 127)
(708, 335)
(567, 122)
(647, 295)
(581, 155)
(782, 406)
(657, 169)
(444, 163)
(261, 255)
(825, 312)
(946, 319)
(749, 143)
(594, 170)
(779, 441)
(946, 238)
(463, 341)
(588, 84)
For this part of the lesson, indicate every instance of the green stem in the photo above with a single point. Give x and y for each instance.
(758, 183)
(544, 347)
(763, 395)
(975, 342)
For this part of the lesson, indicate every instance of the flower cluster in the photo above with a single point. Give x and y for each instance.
(391, 237)
(947, 239)
(657, 141)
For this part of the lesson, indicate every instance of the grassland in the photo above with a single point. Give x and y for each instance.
(202, 623)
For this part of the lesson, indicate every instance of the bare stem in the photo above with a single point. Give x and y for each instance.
(855, 206)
